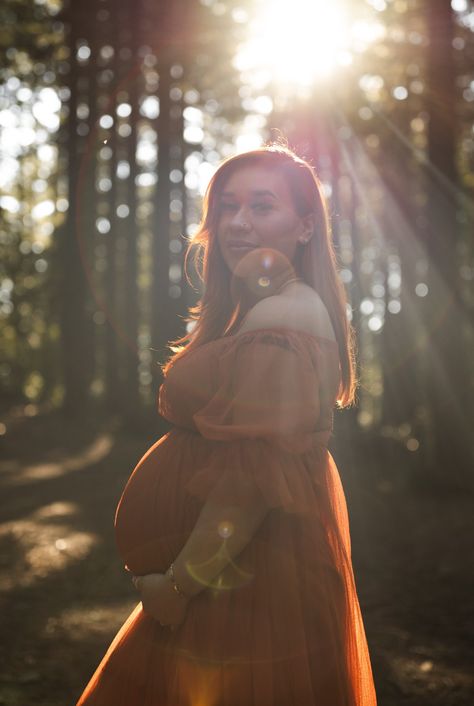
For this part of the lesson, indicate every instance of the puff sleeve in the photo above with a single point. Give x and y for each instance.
(264, 421)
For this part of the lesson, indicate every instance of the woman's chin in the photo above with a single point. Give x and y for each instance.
(235, 256)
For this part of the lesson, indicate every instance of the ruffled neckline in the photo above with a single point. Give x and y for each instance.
(282, 330)
(277, 329)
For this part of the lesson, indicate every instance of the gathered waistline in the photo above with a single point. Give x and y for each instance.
(321, 436)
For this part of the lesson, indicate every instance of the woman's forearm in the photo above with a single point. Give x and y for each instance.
(219, 535)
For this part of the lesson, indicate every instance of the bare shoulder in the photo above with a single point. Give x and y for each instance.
(298, 307)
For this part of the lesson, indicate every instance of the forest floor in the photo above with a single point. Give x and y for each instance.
(64, 592)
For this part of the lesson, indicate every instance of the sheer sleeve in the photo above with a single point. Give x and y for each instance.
(263, 419)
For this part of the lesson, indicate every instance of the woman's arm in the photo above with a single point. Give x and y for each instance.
(219, 535)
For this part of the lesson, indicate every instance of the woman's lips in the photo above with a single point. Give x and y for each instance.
(241, 247)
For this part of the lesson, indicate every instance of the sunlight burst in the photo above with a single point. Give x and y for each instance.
(302, 41)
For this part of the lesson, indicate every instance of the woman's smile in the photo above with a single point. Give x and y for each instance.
(240, 246)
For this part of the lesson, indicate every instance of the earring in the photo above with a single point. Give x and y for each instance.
(304, 241)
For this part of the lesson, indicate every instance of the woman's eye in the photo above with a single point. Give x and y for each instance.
(262, 207)
(228, 207)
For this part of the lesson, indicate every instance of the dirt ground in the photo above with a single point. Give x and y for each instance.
(64, 592)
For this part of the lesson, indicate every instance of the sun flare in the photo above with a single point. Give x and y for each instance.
(302, 41)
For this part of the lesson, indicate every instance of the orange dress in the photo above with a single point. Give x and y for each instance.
(251, 414)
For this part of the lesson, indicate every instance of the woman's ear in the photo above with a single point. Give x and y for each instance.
(307, 230)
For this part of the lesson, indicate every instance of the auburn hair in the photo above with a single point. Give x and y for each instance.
(216, 314)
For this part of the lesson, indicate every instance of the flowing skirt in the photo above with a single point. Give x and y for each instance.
(282, 625)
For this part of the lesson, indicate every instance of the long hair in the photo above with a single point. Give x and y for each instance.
(215, 315)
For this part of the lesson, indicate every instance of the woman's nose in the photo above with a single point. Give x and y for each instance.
(240, 221)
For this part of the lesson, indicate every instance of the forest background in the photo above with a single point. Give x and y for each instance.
(113, 117)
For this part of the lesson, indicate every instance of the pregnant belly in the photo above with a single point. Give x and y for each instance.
(156, 514)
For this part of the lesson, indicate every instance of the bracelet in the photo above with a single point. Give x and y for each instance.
(176, 587)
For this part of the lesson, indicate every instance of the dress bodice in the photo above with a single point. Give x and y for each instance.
(267, 381)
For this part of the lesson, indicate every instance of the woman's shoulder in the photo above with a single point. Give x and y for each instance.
(298, 307)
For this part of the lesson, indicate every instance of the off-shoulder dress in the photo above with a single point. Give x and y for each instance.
(251, 414)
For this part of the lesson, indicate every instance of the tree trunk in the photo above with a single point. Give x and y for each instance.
(75, 324)
(446, 353)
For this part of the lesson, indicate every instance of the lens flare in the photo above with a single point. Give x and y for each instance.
(225, 529)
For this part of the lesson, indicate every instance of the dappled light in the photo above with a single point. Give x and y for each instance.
(426, 675)
(92, 621)
(98, 450)
(42, 549)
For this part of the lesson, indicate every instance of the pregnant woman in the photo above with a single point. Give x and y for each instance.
(234, 524)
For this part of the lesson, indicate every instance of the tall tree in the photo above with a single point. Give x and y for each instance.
(75, 243)
(446, 353)
(31, 46)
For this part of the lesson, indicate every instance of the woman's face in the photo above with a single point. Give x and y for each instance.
(256, 211)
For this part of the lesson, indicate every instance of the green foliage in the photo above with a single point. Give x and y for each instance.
(31, 56)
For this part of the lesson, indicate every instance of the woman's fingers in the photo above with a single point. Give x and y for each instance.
(159, 601)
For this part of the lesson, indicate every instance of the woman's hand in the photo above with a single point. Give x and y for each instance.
(160, 600)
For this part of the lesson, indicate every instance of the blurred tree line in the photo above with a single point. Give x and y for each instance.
(114, 115)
